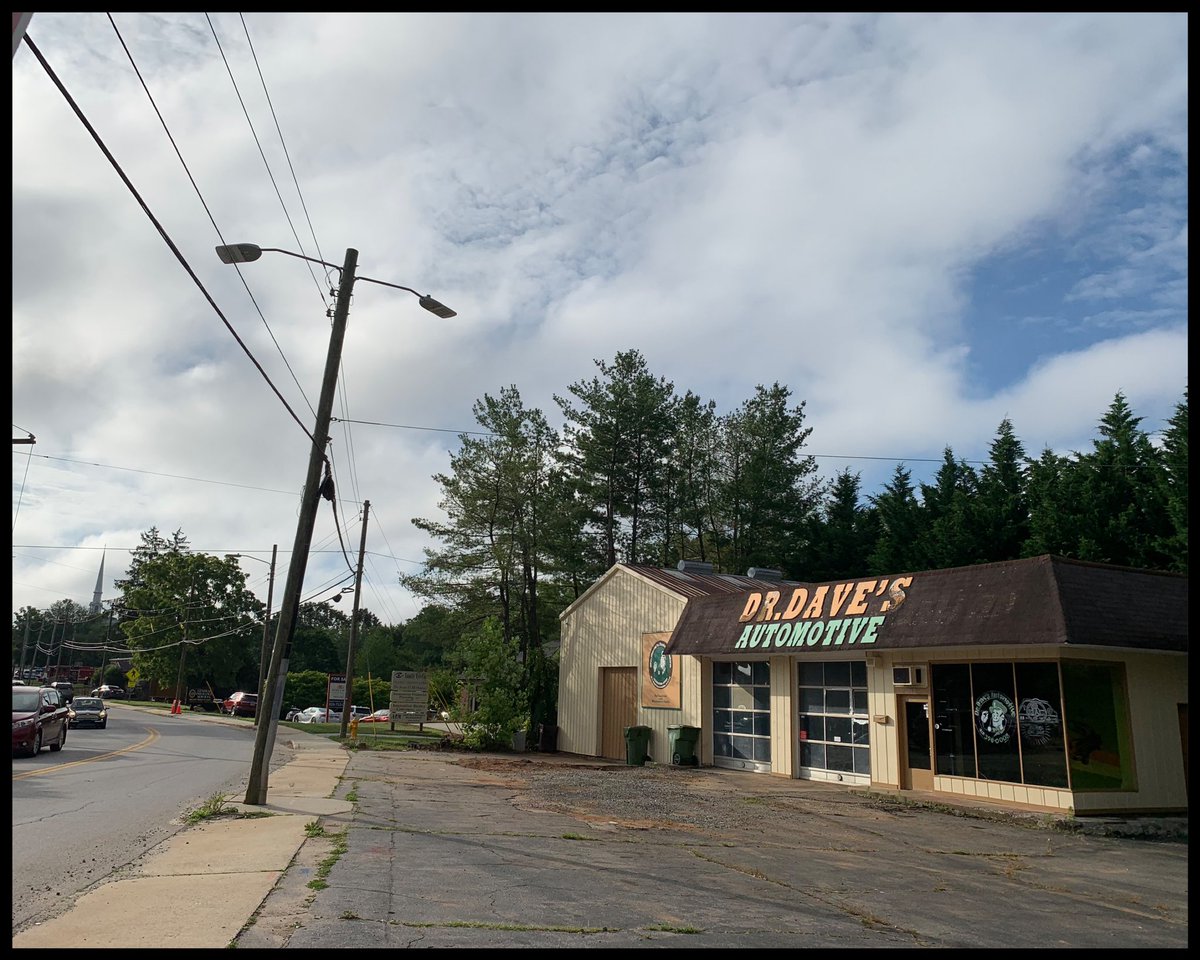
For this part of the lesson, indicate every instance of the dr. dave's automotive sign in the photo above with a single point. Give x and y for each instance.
(830, 615)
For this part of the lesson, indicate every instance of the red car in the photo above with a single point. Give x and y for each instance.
(241, 704)
(39, 717)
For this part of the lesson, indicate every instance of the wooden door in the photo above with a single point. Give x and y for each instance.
(916, 743)
(618, 709)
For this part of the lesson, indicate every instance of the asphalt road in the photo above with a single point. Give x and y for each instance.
(110, 795)
(444, 851)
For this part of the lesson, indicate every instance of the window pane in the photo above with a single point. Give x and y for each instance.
(1097, 726)
(743, 748)
(860, 730)
(995, 721)
(837, 729)
(722, 745)
(860, 701)
(812, 728)
(858, 673)
(837, 673)
(837, 701)
(741, 697)
(762, 672)
(762, 750)
(762, 725)
(954, 741)
(812, 701)
(862, 760)
(762, 698)
(812, 755)
(721, 697)
(812, 674)
(722, 673)
(722, 721)
(1039, 718)
(839, 758)
(743, 721)
(742, 673)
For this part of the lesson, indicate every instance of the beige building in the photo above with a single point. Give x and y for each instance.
(1043, 684)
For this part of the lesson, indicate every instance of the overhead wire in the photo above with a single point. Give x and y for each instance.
(159, 227)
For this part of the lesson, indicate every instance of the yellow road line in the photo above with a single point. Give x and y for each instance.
(152, 735)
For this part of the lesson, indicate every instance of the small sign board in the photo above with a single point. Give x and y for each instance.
(335, 694)
(409, 702)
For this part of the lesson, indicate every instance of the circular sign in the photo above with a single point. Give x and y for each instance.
(660, 665)
(995, 717)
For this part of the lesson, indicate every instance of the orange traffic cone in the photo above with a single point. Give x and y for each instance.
(175, 707)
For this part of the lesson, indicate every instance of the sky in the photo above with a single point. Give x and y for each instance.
(920, 224)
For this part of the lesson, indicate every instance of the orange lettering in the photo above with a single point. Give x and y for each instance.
(840, 593)
(752, 603)
(818, 601)
(859, 604)
(799, 596)
(768, 606)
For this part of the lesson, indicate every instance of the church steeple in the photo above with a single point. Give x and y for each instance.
(95, 604)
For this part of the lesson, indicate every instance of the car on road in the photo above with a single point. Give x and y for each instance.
(39, 717)
(318, 715)
(107, 692)
(66, 688)
(240, 704)
(379, 716)
(87, 712)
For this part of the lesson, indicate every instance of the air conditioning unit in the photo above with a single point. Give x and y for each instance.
(909, 675)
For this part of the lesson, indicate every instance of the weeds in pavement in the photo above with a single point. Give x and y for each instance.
(214, 806)
(323, 868)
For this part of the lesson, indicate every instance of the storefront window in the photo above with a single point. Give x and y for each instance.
(742, 712)
(1097, 715)
(995, 707)
(834, 727)
(954, 740)
(1039, 717)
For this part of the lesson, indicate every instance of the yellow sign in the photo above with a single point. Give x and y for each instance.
(660, 673)
(133, 675)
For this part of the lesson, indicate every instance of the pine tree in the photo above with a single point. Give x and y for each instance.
(900, 525)
(1174, 545)
(1002, 503)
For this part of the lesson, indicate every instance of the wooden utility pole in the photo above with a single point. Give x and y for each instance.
(362, 549)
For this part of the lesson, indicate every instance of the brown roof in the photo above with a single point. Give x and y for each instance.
(1041, 600)
(691, 584)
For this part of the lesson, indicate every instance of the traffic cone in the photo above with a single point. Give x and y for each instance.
(175, 707)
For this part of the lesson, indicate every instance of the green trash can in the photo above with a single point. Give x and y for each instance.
(637, 746)
(683, 745)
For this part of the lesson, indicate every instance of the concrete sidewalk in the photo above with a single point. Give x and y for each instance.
(184, 892)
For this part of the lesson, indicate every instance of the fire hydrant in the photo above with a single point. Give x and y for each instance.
(354, 728)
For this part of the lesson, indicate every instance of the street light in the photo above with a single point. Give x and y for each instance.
(256, 790)
(262, 655)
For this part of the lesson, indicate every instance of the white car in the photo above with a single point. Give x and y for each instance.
(318, 715)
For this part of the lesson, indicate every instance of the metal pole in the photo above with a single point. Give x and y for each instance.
(264, 653)
(362, 549)
(289, 608)
(24, 647)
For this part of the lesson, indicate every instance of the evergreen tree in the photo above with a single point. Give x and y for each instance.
(1055, 490)
(949, 535)
(1173, 546)
(1002, 504)
(840, 537)
(899, 519)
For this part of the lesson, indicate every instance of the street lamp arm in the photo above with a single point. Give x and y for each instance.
(384, 283)
(433, 306)
(326, 263)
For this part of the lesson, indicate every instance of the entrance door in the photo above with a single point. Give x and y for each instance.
(618, 709)
(916, 754)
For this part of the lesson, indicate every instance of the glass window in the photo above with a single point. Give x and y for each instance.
(722, 745)
(743, 748)
(837, 701)
(859, 701)
(952, 725)
(860, 730)
(830, 692)
(762, 725)
(812, 674)
(743, 721)
(721, 697)
(762, 673)
(862, 760)
(812, 728)
(837, 729)
(1039, 719)
(741, 696)
(722, 721)
(812, 700)
(742, 708)
(762, 698)
(837, 673)
(839, 758)
(995, 709)
(858, 673)
(722, 673)
(812, 755)
(1097, 716)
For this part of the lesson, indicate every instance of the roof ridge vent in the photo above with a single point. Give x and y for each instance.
(693, 566)
(764, 573)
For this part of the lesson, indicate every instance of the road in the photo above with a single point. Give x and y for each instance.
(108, 796)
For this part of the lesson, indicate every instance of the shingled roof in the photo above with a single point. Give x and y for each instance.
(1040, 600)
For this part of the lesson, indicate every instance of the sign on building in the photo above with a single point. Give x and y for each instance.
(410, 696)
(660, 673)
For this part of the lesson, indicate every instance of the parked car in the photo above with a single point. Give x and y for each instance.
(87, 712)
(241, 704)
(318, 715)
(358, 713)
(292, 714)
(39, 716)
(107, 692)
(379, 716)
(66, 688)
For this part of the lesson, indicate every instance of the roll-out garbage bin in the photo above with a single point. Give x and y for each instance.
(683, 745)
(637, 746)
(548, 738)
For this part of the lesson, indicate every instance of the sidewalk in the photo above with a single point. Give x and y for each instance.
(183, 893)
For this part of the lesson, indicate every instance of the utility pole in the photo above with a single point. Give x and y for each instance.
(265, 652)
(24, 647)
(362, 549)
(289, 609)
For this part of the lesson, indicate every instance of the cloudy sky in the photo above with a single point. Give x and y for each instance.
(920, 224)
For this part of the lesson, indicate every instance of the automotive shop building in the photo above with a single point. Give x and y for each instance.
(1041, 684)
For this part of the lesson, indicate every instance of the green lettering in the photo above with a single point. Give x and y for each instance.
(744, 638)
(856, 628)
(770, 632)
(785, 632)
(815, 633)
(873, 624)
(840, 627)
(798, 632)
(756, 635)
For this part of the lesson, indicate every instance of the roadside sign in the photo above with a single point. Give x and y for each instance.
(335, 693)
(409, 700)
